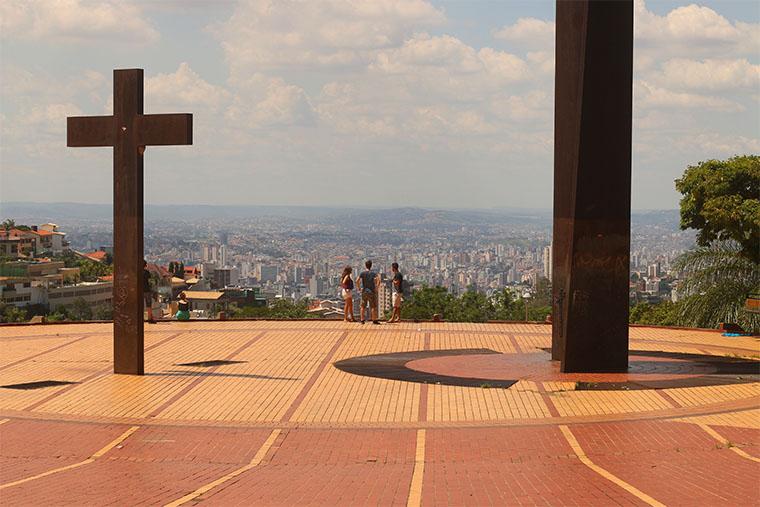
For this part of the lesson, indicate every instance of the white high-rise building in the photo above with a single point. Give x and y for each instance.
(548, 256)
(223, 255)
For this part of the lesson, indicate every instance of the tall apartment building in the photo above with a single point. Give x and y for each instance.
(226, 277)
(267, 273)
(385, 297)
(547, 258)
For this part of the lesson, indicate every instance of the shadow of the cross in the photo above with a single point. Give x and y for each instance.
(181, 373)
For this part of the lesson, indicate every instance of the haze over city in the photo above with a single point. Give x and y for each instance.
(415, 103)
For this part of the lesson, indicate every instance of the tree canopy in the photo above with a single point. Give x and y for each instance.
(472, 306)
(279, 309)
(89, 270)
(721, 200)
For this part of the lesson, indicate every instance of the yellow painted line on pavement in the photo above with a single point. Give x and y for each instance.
(717, 436)
(415, 489)
(578, 450)
(89, 460)
(257, 459)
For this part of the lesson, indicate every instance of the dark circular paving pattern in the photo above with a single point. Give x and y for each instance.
(480, 367)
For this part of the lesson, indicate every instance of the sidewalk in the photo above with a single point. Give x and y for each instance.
(281, 425)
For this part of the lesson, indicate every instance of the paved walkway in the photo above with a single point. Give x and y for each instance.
(278, 424)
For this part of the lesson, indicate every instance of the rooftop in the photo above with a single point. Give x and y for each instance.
(280, 412)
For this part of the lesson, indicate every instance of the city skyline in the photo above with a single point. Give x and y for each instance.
(424, 104)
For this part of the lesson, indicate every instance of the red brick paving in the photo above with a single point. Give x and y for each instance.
(675, 463)
(511, 466)
(323, 467)
(31, 447)
(537, 366)
(746, 439)
(153, 466)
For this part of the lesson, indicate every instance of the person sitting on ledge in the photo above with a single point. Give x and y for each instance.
(183, 308)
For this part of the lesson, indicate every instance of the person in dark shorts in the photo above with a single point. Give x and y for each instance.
(398, 293)
(148, 292)
(368, 283)
(347, 292)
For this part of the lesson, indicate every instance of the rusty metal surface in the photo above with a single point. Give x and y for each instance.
(128, 131)
(592, 184)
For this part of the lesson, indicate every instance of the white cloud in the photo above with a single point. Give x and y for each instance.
(693, 30)
(428, 88)
(528, 32)
(448, 58)
(39, 130)
(261, 101)
(183, 88)
(711, 74)
(534, 107)
(650, 96)
(264, 35)
(75, 21)
(422, 50)
(717, 145)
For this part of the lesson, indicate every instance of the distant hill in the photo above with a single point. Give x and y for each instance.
(29, 212)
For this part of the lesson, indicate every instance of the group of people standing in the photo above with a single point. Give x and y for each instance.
(368, 285)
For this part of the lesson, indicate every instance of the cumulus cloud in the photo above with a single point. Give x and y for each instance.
(445, 62)
(693, 30)
(528, 32)
(264, 35)
(261, 101)
(75, 21)
(362, 88)
(183, 88)
(717, 145)
(650, 96)
(428, 86)
(711, 74)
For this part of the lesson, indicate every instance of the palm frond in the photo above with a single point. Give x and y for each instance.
(715, 282)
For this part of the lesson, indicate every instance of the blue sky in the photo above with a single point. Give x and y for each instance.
(387, 103)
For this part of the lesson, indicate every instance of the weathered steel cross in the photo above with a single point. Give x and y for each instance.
(129, 131)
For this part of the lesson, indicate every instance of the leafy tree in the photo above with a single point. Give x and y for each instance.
(8, 224)
(665, 313)
(80, 310)
(543, 293)
(720, 200)
(716, 282)
(11, 313)
(426, 302)
(279, 309)
(102, 312)
(471, 306)
(59, 315)
(89, 270)
(504, 304)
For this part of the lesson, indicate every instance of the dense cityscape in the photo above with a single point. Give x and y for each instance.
(296, 254)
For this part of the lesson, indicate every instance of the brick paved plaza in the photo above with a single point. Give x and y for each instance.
(279, 424)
